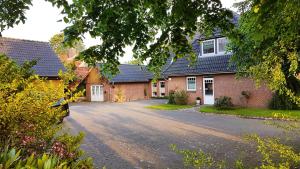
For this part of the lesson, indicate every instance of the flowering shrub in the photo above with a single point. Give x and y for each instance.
(28, 121)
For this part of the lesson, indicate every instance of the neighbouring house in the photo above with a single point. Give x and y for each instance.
(48, 64)
(132, 83)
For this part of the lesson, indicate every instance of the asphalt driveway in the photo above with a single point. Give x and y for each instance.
(129, 136)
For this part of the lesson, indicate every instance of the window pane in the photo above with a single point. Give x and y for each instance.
(191, 83)
(162, 84)
(208, 88)
(208, 47)
(222, 44)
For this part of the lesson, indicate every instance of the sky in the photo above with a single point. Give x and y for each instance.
(42, 23)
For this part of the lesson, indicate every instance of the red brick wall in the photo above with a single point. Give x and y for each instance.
(94, 79)
(179, 83)
(132, 91)
(226, 85)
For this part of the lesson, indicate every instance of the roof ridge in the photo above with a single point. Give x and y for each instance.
(19, 39)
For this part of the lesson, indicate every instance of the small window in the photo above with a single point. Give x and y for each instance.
(162, 84)
(208, 47)
(222, 42)
(154, 84)
(191, 83)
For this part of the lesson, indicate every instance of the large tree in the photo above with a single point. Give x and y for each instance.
(266, 44)
(152, 27)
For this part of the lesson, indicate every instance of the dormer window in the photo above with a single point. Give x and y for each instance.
(222, 42)
(208, 47)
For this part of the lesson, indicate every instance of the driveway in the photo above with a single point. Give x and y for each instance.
(129, 136)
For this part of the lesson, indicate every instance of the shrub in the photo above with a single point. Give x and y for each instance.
(223, 103)
(12, 159)
(171, 99)
(281, 102)
(181, 97)
(28, 121)
(119, 97)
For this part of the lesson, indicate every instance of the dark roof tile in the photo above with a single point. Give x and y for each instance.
(48, 64)
(204, 65)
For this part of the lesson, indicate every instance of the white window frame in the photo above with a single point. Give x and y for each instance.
(187, 83)
(219, 47)
(208, 54)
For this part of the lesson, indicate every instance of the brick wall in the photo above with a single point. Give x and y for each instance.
(132, 91)
(226, 85)
(94, 78)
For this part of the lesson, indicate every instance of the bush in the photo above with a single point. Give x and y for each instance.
(28, 121)
(12, 159)
(223, 103)
(171, 99)
(119, 97)
(181, 97)
(281, 102)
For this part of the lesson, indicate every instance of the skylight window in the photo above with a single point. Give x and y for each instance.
(208, 47)
(222, 42)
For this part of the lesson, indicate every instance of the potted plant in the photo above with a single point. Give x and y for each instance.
(198, 101)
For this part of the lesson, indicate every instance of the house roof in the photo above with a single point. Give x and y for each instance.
(48, 64)
(204, 65)
(132, 73)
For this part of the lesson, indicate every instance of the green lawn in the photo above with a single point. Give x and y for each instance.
(253, 112)
(169, 107)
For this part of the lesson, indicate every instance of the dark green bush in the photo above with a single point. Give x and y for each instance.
(171, 99)
(281, 102)
(181, 97)
(223, 103)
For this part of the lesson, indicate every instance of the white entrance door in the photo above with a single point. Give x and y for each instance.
(162, 89)
(97, 93)
(208, 90)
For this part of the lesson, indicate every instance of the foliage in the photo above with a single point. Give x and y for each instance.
(119, 97)
(28, 120)
(169, 107)
(153, 28)
(11, 158)
(254, 112)
(223, 103)
(171, 99)
(265, 45)
(281, 102)
(135, 62)
(181, 97)
(201, 160)
(275, 154)
(61, 48)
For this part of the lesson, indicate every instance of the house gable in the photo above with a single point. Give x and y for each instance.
(48, 64)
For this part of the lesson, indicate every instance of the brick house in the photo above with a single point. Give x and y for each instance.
(209, 78)
(213, 76)
(19, 50)
(132, 83)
